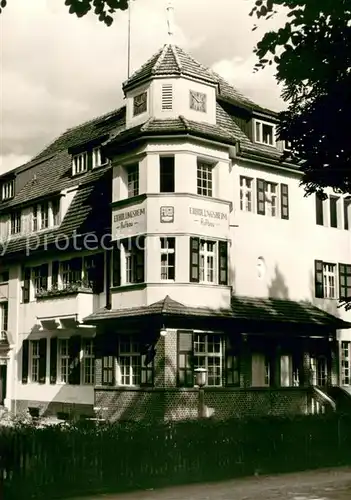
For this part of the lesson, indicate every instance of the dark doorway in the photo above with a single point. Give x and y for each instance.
(3, 376)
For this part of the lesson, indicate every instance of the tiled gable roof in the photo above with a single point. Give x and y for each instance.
(171, 60)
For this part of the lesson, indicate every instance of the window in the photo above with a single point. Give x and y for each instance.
(98, 158)
(325, 279)
(333, 205)
(56, 212)
(267, 371)
(94, 267)
(246, 194)
(166, 174)
(133, 180)
(204, 179)
(16, 222)
(319, 210)
(4, 276)
(88, 362)
(134, 368)
(211, 351)
(347, 213)
(71, 271)
(322, 372)
(287, 146)
(35, 217)
(329, 280)
(344, 281)
(267, 199)
(135, 261)
(40, 278)
(203, 261)
(63, 360)
(34, 360)
(167, 97)
(345, 363)
(265, 133)
(4, 317)
(8, 190)
(80, 163)
(44, 215)
(140, 104)
(167, 258)
(271, 208)
(207, 261)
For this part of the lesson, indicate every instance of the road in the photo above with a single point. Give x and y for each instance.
(312, 485)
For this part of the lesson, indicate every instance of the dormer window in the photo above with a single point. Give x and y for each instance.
(265, 133)
(8, 190)
(140, 104)
(98, 158)
(80, 163)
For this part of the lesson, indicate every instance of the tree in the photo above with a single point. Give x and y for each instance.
(312, 52)
(102, 8)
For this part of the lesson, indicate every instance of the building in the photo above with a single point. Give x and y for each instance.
(164, 236)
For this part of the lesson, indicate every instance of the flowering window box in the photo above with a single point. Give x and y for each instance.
(65, 289)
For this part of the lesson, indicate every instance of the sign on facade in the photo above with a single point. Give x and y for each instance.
(166, 214)
(129, 221)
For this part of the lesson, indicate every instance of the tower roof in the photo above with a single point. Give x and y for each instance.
(170, 60)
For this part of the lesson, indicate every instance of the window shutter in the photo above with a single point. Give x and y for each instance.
(26, 286)
(319, 210)
(53, 360)
(185, 374)
(116, 265)
(223, 262)
(55, 273)
(194, 260)
(74, 347)
(44, 273)
(318, 278)
(25, 361)
(260, 188)
(167, 97)
(139, 261)
(347, 204)
(231, 360)
(97, 273)
(42, 361)
(107, 350)
(344, 281)
(284, 201)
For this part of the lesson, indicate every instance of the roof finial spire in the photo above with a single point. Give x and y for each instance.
(170, 18)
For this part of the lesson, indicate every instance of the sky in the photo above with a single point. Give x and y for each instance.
(58, 71)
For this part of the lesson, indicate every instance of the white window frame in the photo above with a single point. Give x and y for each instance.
(287, 146)
(329, 280)
(258, 132)
(97, 158)
(271, 199)
(129, 362)
(80, 163)
(132, 180)
(204, 176)
(8, 190)
(168, 247)
(63, 361)
(88, 361)
(34, 361)
(44, 215)
(246, 194)
(16, 228)
(345, 358)
(37, 279)
(204, 352)
(56, 217)
(132, 264)
(208, 262)
(4, 319)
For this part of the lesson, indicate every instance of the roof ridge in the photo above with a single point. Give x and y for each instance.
(173, 48)
(186, 54)
(160, 58)
(184, 121)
